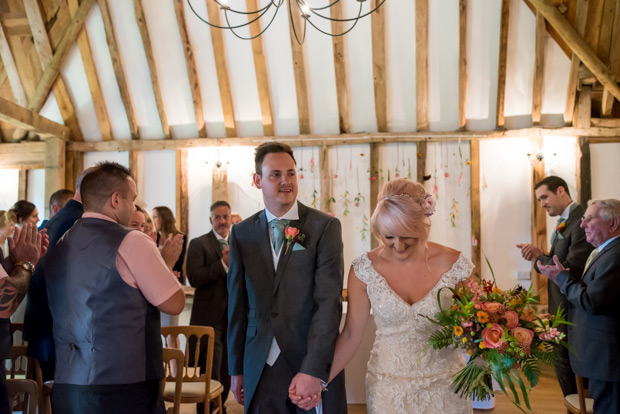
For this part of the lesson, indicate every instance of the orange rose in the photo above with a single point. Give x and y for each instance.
(492, 336)
(523, 335)
(290, 233)
(493, 307)
(512, 319)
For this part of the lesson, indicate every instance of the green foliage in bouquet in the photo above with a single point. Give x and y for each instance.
(503, 336)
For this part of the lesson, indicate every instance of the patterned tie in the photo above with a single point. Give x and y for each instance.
(223, 243)
(594, 253)
(555, 233)
(278, 226)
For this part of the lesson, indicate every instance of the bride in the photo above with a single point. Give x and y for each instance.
(399, 280)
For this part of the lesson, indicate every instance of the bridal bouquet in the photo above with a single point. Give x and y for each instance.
(503, 336)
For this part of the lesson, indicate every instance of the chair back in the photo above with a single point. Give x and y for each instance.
(22, 391)
(196, 337)
(579, 403)
(173, 370)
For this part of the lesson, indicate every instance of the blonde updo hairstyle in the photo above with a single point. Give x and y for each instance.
(399, 210)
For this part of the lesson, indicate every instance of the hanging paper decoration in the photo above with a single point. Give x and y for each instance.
(409, 174)
(312, 163)
(345, 200)
(364, 231)
(454, 212)
(315, 198)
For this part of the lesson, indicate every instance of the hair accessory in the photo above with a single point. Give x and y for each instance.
(427, 203)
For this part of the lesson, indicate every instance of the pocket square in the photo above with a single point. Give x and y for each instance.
(297, 247)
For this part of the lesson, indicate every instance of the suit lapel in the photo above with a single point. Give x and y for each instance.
(284, 254)
(262, 233)
(575, 213)
(605, 251)
(214, 244)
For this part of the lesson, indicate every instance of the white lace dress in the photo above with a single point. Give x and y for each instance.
(405, 374)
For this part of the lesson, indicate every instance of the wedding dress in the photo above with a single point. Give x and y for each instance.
(405, 374)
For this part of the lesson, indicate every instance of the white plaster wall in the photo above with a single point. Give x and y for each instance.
(158, 183)
(36, 191)
(605, 166)
(9, 189)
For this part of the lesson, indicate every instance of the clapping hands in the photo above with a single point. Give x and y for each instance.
(552, 271)
(28, 244)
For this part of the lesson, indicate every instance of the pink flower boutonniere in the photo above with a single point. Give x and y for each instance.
(560, 227)
(292, 236)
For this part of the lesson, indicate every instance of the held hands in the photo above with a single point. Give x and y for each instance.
(552, 271)
(27, 244)
(305, 391)
(529, 251)
(171, 249)
(236, 386)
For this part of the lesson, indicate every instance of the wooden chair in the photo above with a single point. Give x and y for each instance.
(579, 403)
(23, 393)
(196, 387)
(173, 371)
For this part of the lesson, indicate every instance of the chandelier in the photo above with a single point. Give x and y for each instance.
(315, 16)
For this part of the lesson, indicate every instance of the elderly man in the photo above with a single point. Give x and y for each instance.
(593, 305)
(25, 248)
(106, 284)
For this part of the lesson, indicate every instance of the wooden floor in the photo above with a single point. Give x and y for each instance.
(546, 398)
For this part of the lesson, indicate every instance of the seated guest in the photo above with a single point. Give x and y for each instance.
(37, 317)
(25, 212)
(106, 325)
(27, 246)
(57, 201)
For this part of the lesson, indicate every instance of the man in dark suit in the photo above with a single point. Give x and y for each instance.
(38, 318)
(207, 264)
(593, 305)
(285, 287)
(568, 243)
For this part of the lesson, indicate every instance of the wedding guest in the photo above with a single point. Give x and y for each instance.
(165, 225)
(138, 220)
(57, 201)
(149, 228)
(593, 305)
(235, 218)
(27, 246)
(399, 281)
(106, 326)
(7, 228)
(25, 212)
(207, 265)
(284, 296)
(568, 243)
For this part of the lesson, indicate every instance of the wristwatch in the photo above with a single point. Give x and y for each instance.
(26, 265)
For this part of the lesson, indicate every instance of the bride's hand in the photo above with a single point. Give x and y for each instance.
(307, 403)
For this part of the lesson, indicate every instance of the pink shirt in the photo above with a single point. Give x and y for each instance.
(2, 272)
(141, 266)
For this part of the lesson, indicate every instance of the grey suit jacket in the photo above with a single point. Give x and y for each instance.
(206, 273)
(594, 308)
(300, 303)
(573, 250)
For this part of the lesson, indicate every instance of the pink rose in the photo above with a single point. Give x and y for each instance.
(512, 319)
(523, 335)
(492, 307)
(428, 205)
(492, 337)
(290, 233)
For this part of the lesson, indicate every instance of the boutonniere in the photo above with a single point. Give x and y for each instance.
(560, 227)
(292, 236)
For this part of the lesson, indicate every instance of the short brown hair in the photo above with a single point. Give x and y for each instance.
(268, 148)
(99, 184)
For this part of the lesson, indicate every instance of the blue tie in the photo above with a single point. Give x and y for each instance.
(555, 233)
(223, 243)
(278, 226)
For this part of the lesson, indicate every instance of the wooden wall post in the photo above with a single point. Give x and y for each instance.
(182, 206)
(54, 165)
(539, 225)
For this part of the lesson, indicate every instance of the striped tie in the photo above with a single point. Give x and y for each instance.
(223, 243)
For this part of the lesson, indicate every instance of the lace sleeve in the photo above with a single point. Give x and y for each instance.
(461, 270)
(361, 266)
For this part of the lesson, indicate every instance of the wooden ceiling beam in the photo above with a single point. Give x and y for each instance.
(219, 54)
(573, 75)
(192, 71)
(262, 80)
(340, 70)
(462, 64)
(11, 70)
(378, 64)
(501, 66)
(119, 71)
(607, 24)
(539, 68)
(25, 155)
(148, 50)
(94, 86)
(53, 69)
(31, 121)
(614, 63)
(299, 69)
(596, 134)
(45, 53)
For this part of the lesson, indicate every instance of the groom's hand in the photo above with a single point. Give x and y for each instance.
(305, 391)
(529, 251)
(236, 386)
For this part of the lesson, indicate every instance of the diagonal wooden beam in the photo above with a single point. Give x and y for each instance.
(148, 50)
(44, 50)
(299, 69)
(344, 117)
(11, 70)
(90, 69)
(31, 121)
(262, 80)
(192, 71)
(614, 63)
(378, 65)
(117, 64)
(573, 75)
(219, 52)
(539, 68)
(53, 69)
(462, 64)
(501, 66)
(603, 74)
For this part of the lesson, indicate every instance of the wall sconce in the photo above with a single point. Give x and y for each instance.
(540, 157)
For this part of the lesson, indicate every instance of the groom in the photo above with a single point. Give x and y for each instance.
(284, 286)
